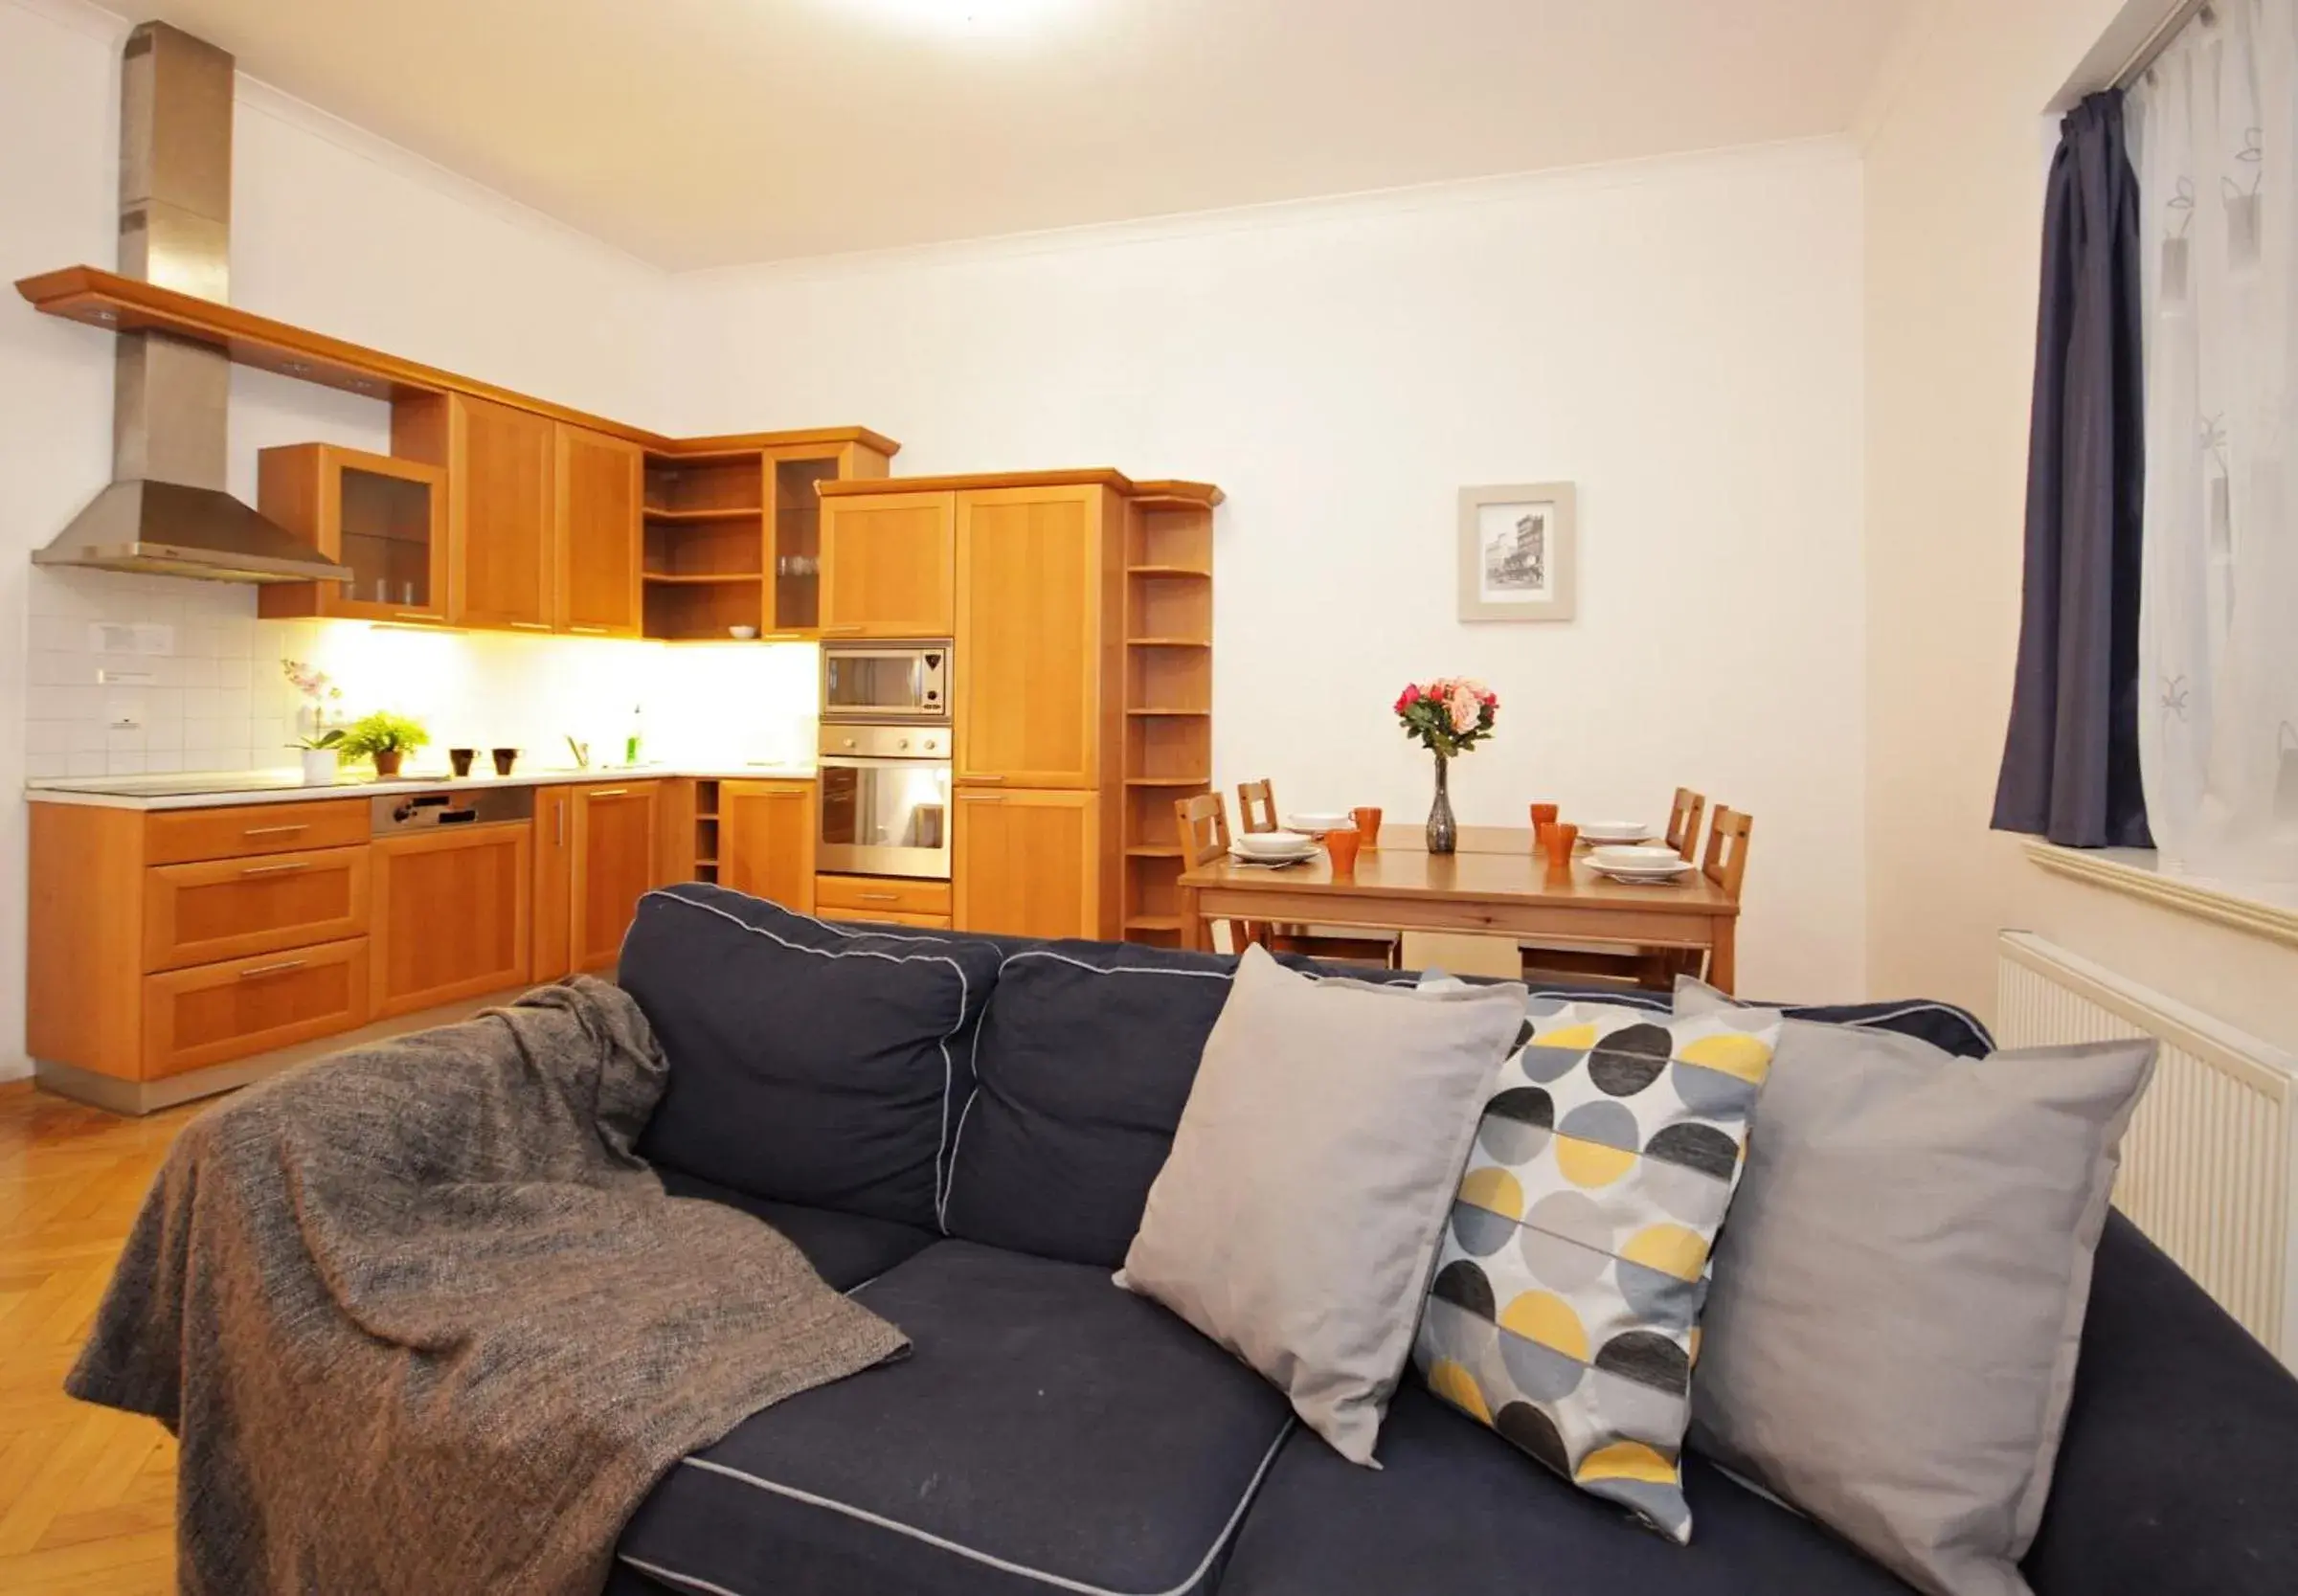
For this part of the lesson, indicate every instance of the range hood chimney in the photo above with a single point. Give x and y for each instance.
(166, 509)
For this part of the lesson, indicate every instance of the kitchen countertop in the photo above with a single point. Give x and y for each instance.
(287, 786)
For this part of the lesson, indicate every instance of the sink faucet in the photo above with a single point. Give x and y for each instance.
(581, 752)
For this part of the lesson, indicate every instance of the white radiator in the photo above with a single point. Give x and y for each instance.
(2207, 1166)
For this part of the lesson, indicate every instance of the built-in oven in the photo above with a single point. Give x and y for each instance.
(907, 682)
(885, 800)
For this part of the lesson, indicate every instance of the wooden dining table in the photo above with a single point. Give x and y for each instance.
(1495, 884)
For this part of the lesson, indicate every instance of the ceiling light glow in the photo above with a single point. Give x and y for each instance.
(965, 18)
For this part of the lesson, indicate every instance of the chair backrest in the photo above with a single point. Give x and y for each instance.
(1726, 861)
(1683, 823)
(1256, 806)
(1202, 824)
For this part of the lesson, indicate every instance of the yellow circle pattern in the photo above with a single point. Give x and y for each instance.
(1670, 1248)
(1732, 1053)
(1546, 1317)
(1456, 1386)
(1627, 1460)
(1590, 1163)
(1493, 1190)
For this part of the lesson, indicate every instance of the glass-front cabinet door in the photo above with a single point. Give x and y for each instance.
(384, 518)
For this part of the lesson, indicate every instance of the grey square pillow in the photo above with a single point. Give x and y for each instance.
(1891, 1334)
(1296, 1217)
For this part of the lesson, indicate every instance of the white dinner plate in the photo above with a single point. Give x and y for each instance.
(1273, 860)
(1316, 823)
(1613, 857)
(1273, 844)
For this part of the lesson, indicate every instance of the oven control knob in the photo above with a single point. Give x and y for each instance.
(904, 743)
(849, 742)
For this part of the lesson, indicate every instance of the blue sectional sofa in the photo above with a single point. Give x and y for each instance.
(963, 1129)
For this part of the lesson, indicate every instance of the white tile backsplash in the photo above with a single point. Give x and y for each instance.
(220, 701)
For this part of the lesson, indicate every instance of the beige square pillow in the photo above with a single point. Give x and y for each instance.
(1296, 1219)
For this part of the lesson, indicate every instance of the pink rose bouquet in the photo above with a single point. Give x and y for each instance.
(1450, 715)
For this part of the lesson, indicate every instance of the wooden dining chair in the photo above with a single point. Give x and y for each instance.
(1202, 823)
(1683, 823)
(1652, 968)
(1256, 812)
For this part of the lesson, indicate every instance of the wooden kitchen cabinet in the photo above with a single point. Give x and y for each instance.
(551, 917)
(1035, 614)
(597, 539)
(615, 864)
(1027, 863)
(217, 909)
(888, 565)
(501, 465)
(452, 915)
(213, 1013)
(385, 519)
(766, 840)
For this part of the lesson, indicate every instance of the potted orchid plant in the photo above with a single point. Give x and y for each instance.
(1448, 716)
(320, 742)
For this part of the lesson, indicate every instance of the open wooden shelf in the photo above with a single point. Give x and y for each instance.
(702, 577)
(1168, 695)
(1168, 780)
(1167, 712)
(1153, 852)
(1153, 922)
(1190, 571)
(1170, 642)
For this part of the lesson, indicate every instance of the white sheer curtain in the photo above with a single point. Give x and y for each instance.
(2213, 135)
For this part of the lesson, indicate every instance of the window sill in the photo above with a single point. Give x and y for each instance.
(2134, 873)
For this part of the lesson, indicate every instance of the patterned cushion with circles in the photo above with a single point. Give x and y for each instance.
(1565, 1311)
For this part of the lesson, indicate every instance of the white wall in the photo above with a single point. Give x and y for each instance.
(331, 229)
(1681, 339)
(1954, 222)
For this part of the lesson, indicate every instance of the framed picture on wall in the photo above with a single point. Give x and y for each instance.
(1517, 553)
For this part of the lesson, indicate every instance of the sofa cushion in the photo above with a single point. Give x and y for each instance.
(1047, 1427)
(1084, 1062)
(809, 1063)
(845, 1249)
(1454, 1509)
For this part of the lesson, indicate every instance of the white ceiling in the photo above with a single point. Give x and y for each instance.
(711, 132)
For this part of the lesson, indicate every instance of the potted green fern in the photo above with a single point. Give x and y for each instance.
(383, 737)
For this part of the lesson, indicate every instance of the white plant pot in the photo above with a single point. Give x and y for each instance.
(319, 767)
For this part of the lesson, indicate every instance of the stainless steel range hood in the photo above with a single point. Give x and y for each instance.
(166, 510)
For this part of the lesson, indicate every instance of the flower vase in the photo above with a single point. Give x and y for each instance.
(319, 767)
(1443, 834)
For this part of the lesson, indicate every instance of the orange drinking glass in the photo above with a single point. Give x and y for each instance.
(1369, 826)
(1544, 816)
(1343, 845)
(1560, 838)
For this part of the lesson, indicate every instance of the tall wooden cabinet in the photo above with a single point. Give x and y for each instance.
(1080, 610)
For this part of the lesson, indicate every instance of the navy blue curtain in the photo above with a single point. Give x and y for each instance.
(2070, 759)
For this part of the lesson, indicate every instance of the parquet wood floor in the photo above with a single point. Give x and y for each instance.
(87, 1495)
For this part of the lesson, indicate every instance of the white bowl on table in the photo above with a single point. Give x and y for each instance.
(1274, 844)
(1315, 823)
(1594, 832)
(1639, 863)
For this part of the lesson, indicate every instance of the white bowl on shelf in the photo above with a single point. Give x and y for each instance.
(1274, 844)
(742, 634)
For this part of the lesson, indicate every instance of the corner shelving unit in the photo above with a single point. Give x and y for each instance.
(1168, 698)
(706, 830)
(734, 534)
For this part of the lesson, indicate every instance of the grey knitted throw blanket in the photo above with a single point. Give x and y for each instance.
(424, 1324)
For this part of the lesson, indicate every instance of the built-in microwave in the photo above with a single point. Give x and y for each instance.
(883, 682)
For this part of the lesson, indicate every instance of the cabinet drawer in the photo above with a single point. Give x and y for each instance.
(236, 907)
(881, 897)
(213, 1013)
(173, 835)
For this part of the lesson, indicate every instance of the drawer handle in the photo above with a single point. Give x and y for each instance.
(840, 631)
(275, 869)
(530, 626)
(280, 969)
(273, 830)
(984, 778)
(981, 797)
(879, 897)
(589, 631)
(608, 791)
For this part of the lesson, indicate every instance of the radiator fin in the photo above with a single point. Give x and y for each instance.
(2207, 1163)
